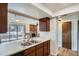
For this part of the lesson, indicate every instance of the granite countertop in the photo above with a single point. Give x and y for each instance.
(13, 47)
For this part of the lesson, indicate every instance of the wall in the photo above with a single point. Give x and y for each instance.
(53, 35)
(32, 11)
(22, 20)
(73, 19)
(74, 32)
(59, 40)
(56, 35)
(45, 34)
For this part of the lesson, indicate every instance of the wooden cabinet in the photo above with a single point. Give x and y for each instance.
(42, 49)
(44, 24)
(29, 52)
(33, 28)
(3, 17)
(47, 48)
(39, 50)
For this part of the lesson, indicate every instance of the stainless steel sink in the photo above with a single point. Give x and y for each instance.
(34, 41)
(26, 44)
(29, 43)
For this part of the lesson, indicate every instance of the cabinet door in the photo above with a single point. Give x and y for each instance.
(46, 48)
(44, 24)
(49, 47)
(29, 52)
(39, 50)
(48, 25)
(3, 17)
(33, 28)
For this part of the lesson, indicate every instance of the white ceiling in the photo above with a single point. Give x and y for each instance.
(57, 6)
(28, 9)
(36, 12)
(17, 19)
(31, 10)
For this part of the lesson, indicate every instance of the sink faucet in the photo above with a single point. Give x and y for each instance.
(28, 37)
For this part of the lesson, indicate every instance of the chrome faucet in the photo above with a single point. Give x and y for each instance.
(28, 37)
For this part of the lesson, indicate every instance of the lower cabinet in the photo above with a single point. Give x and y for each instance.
(45, 48)
(29, 52)
(49, 47)
(42, 49)
(39, 50)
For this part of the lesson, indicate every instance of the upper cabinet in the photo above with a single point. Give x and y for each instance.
(3, 17)
(33, 28)
(44, 24)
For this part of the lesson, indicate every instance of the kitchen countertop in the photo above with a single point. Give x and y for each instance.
(13, 47)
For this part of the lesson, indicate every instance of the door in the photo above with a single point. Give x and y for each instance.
(66, 35)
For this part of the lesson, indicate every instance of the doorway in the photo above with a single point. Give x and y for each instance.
(66, 35)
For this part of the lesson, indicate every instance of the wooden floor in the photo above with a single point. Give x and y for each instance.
(66, 52)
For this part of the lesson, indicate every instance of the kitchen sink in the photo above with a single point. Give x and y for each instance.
(26, 44)
(29, 43)
(34, 41)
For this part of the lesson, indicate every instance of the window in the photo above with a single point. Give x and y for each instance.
(20, 32)
(15, 32)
